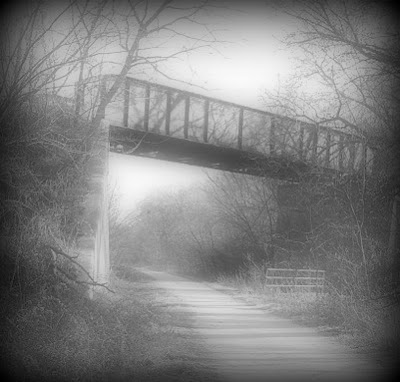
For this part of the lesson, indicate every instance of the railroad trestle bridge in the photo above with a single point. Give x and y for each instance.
(157, 121)
(178, 125)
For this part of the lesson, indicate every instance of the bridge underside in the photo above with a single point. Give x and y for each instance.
(152, 145)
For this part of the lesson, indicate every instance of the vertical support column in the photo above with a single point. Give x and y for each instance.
(272, 136)
(103, 87)
(314, 145)
(369, 160)
(205, 127)
(79, 97)
(126, 101)
(364, 157)
(301, 142)
(352, 156)
(341, 152)
(328, 149)
(186, 123)
(168, 113)
(240, 128)
(103, 91)
(147, 108)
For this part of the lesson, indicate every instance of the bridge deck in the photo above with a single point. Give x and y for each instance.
(156, 109)
(126, 141)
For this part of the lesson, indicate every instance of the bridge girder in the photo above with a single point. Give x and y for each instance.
(147, 144)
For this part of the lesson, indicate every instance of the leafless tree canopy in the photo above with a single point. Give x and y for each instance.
(49, 46)
(348, 57)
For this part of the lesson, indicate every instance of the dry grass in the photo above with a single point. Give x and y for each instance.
(126, 336)
(368, 324)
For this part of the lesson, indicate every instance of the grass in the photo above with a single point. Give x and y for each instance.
(123, 336)
(49, 331)
(367, 325)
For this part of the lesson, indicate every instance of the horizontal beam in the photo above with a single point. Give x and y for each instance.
(145, 83)
(296, 270)
(147, 144)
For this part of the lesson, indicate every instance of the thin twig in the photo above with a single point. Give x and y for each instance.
(72, 259)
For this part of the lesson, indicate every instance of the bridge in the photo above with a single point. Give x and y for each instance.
(158, 121)
(186, 127)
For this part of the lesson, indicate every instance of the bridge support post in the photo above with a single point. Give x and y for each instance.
(240, 128)
(206, 116)
(93, 244)
(126, 101)
(186, 122)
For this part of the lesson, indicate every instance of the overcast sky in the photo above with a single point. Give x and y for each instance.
(240, 71)
(246, 60)
(249, 62)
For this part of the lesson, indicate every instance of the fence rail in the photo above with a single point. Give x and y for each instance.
(149, 107)
(310, 280)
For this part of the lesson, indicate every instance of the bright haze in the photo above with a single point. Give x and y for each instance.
(247, 60)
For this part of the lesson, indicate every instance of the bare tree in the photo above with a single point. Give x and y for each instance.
(348, 65)
(248, 206)
(347, 77)
(33, 55)
(143, 35)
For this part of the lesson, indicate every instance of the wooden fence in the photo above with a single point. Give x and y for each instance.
(287, 280)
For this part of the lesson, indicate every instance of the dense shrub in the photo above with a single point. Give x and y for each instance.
(43, 181)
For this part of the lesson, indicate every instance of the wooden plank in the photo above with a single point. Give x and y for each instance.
(126, 102)
(295, 270)
(301, 273)
(168, 113)
(147, 108)
(294, 278)
(206, 116)
(291, 286)
(186, 123)
(240, 128)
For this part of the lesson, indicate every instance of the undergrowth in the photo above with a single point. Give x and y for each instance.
(367, 322)
(49, 329)
(121, 336)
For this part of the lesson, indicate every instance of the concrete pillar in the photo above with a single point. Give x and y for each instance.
(93, 245)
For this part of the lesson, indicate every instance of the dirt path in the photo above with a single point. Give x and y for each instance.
(249, 344)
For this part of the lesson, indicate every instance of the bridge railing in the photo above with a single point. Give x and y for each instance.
(160, 109)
